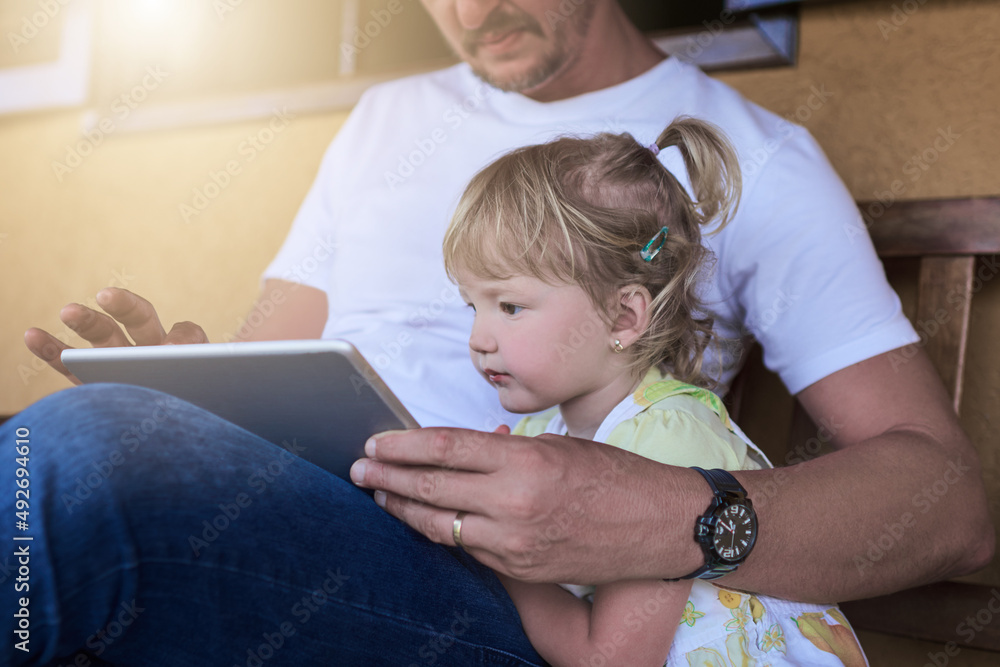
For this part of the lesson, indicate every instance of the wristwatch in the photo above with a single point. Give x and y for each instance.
(727, 530)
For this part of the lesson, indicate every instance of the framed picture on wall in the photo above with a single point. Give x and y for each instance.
(46, 63)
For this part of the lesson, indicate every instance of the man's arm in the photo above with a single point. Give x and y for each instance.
(295, 312)
(559, 509)
(900, 503)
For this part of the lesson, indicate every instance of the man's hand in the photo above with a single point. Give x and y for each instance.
(542, 509)
(551, 508)
(130, 310)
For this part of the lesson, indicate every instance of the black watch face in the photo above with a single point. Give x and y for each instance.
(735, 533)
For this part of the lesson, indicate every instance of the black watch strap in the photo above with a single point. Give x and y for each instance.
(723, 483)
(725, 489)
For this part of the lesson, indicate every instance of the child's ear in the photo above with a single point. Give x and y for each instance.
(633, 314)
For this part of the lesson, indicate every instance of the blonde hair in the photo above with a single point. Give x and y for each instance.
(578, 211)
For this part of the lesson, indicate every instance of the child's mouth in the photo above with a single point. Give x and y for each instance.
(494, 376)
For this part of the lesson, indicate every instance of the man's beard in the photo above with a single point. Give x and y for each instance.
(553, 61)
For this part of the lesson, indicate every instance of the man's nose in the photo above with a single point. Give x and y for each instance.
(472, 13)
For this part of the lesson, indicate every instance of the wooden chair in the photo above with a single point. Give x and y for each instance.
(946, 236)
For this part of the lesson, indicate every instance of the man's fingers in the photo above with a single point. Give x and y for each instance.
(96, 328)
(434, 486)
(48, 348)
(444, 447)
(433, 522)
(137, 314)
(481, 535)
(437, 524)
(185, 333)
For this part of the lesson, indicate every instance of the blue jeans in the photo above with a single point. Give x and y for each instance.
(163, 535)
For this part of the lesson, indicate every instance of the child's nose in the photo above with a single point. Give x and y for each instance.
(480, 340)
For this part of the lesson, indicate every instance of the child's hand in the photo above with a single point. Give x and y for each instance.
(502, 429)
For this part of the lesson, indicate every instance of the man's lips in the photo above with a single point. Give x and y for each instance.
(499, 41)
(499, 35)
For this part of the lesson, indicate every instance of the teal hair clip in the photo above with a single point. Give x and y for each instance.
(649, 252)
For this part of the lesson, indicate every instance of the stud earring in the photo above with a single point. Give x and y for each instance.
(618, 346)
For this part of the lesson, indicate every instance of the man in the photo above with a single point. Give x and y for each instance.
(543, 509)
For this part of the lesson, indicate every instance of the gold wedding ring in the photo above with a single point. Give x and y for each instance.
(456, 529)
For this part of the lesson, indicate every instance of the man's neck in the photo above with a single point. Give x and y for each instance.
(616, 52)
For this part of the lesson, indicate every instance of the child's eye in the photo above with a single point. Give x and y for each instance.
(510, 309)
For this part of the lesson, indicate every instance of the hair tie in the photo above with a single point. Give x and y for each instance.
(654, 148)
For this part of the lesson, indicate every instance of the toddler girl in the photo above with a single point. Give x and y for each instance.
(582, 260)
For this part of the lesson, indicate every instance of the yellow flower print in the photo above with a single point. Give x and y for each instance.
(838, 616)
(706, 657)
(689, 615)
(773, 638)
(739, 620)
(836, 639)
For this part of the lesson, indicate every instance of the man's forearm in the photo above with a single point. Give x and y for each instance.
(890, 513)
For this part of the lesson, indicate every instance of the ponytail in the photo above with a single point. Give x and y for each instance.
(712, 165)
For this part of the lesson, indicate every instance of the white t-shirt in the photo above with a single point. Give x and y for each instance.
(794, 267)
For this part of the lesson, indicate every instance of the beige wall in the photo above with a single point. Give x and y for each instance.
(116, 219)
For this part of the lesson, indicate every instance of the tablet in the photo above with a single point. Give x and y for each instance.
(319, 399)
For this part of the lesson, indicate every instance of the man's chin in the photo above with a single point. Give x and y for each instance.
(513, 77)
